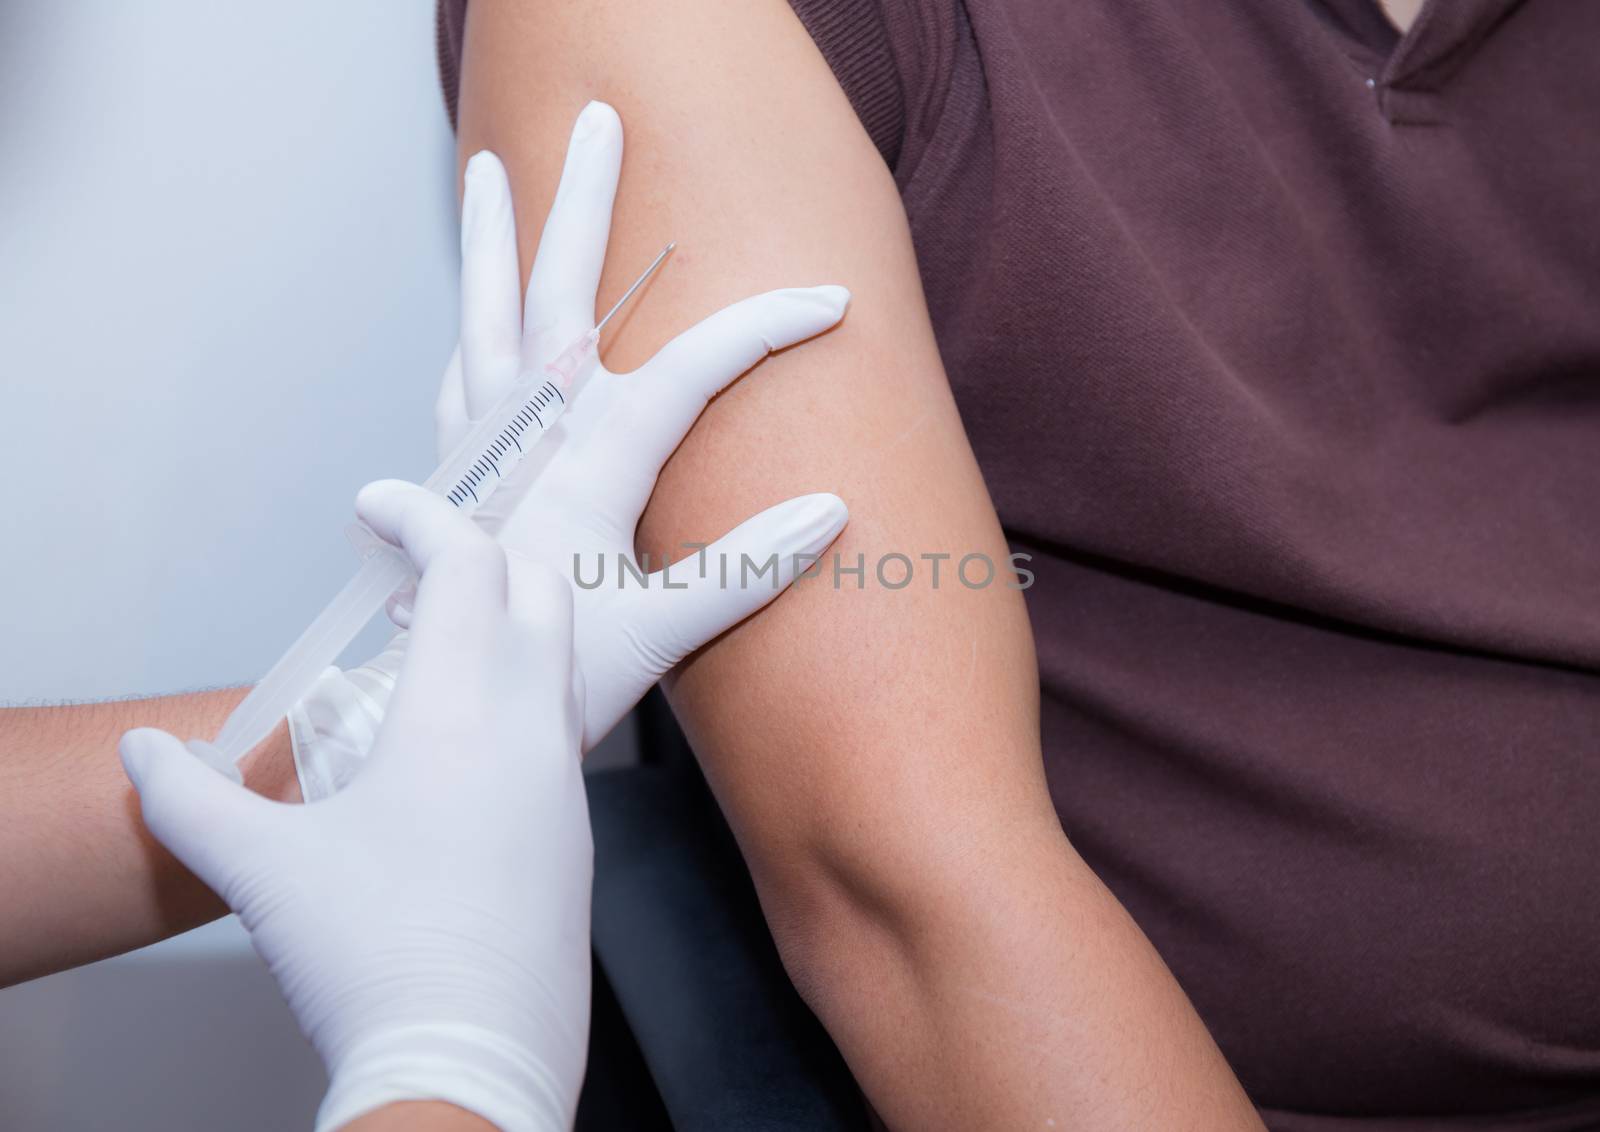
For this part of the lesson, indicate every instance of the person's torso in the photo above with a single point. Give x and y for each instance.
(1278, 342)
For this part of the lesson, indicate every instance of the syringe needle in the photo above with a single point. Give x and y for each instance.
(637, 283)
(564, 370)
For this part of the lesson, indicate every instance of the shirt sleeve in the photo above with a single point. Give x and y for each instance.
(450, 23)
(865, 43)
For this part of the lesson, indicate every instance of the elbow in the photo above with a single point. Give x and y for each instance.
(850, 919)
(876, 902)
(832, 933)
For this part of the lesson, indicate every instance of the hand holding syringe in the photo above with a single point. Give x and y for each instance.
(590, 495)
(466, 477)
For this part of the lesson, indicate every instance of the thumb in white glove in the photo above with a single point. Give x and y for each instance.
(429, 925)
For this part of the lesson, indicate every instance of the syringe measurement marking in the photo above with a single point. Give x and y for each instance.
(545, 396)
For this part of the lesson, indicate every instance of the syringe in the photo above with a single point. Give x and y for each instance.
(467, 477)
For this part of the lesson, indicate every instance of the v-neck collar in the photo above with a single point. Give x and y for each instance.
(1442, 37)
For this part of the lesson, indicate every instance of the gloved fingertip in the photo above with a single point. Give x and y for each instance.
(797, 313)
(483, 161)
(835, 296)
(805, 524)
(819, 518)
(485, 203)
(374, 491)
(138, 748)
(378, 498)
(593, 120)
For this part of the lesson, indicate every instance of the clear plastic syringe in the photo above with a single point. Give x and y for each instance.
(467, 477)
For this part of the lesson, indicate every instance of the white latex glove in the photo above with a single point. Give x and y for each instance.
(579, 495)
(429, 925)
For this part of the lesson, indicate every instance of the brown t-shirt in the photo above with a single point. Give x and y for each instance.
(1277, 336)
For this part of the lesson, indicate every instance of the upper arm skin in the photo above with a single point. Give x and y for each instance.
(876, 751)
(862, 723)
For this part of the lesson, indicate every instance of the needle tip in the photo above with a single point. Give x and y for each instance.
(637, 283)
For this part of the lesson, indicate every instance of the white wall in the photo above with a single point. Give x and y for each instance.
(227, 289)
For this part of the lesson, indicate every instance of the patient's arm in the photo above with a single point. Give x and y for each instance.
(876, 751)
(419, 1116)
(80, 877)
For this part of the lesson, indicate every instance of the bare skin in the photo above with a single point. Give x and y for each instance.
(876, 750)
(1402, 13)
(419, 1116)
(83, 879)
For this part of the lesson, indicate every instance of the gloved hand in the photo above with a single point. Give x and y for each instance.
(429, 926)
(578, 497)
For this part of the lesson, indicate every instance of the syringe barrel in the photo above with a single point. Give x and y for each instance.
(466, 477)
(497, 443)
(384, 571)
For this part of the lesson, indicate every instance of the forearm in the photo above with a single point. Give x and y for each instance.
(420, 1116)
(82, 877)
(1003, 987)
